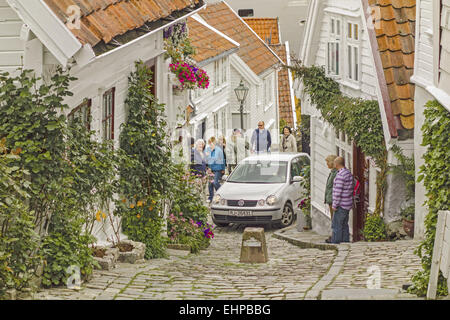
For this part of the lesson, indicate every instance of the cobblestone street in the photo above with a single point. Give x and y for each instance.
(291, 273)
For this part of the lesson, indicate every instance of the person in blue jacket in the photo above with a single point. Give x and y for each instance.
(216, 163)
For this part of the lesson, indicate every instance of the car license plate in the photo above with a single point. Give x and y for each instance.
(241, 213)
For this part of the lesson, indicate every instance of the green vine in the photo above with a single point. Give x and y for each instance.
(359, 119)
(435, 175)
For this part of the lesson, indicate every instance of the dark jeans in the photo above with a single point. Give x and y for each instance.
(215, 184)
(339, 224)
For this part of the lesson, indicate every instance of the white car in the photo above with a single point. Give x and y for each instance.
(262, 189)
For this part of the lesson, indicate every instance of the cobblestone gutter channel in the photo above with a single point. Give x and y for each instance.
(349, 274)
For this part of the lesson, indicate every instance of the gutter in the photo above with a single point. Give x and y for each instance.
(291, 86)
(219, 56)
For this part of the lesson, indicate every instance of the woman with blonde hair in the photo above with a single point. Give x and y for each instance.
(199, 161)
(329, 186)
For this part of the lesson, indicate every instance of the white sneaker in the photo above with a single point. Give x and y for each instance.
(208, 201)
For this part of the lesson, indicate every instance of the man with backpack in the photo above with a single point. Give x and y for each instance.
(343, 190)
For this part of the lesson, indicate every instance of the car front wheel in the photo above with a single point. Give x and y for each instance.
(287, 217)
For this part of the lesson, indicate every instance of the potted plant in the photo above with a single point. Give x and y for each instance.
(305, 203)
(305, 206)
(408, 220)
(189, 76)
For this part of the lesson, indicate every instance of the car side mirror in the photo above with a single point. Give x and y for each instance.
(297, 179)
(224, 177)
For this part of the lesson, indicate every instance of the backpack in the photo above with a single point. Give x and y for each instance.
(356, 191)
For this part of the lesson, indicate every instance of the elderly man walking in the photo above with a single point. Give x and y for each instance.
(342, 202)
(261, 139)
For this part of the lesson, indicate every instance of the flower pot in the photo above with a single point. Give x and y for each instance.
(408, 226)
(177, 91)
(135, 255)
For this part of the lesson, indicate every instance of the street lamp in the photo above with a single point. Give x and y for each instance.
(241, 94)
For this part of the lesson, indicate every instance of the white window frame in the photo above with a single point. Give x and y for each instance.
(353, 51)
(373, 173)
(268, 92)
(334, 47)
(216, 123)
(223, 120)
(344, 148)
(220, 74)
(437, 12)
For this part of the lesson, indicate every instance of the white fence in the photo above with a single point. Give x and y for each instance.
(441, 254)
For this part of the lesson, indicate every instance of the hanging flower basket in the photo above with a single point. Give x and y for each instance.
(189, 77)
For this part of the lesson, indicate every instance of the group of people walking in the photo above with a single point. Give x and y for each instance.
(212, 159)
(217, 155)
(339, 192)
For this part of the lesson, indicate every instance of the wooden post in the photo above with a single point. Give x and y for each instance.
(254, 248)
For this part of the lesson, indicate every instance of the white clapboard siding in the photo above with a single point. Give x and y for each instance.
(441, 253)
(11, 46)
(322, 147)
(424, 49)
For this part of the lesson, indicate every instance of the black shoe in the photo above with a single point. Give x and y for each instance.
(328, 240)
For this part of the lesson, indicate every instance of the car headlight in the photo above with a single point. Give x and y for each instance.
(271, 200)
(261, 202)
(216, 199)
(223, 201)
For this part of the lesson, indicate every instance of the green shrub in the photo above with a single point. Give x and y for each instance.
(374, 229)
(32, 120)
(18, 241)
(186, 193)
(435, 174)
(142, 221)
(182, 230)
(146, 175)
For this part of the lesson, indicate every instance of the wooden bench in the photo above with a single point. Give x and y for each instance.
(441, 254)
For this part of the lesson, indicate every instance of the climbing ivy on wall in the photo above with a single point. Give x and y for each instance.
(360, 119)
(435, 175)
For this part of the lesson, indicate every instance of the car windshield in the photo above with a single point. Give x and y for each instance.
(260, 172)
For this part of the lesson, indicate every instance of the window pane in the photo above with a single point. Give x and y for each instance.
(337, 58)
(338, 27)
(356, 30)
(350, 62)
(349, 31)
(356, 57)
(333, 58)
(329, 58)
(332, 26)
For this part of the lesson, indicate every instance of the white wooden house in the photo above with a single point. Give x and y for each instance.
(432, 79)
(211, 113)
(254, 62)
(100, 41)
(368, 48)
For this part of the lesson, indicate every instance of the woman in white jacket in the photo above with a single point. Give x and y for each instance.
(289, 144)
(236, 149)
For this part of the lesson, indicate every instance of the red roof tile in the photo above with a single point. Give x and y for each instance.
(102, 20)
(284, 88)
(252, 49)
(266, 28)
(394, 22)
(207, 42)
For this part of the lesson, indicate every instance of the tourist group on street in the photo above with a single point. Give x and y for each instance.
(219, 154)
